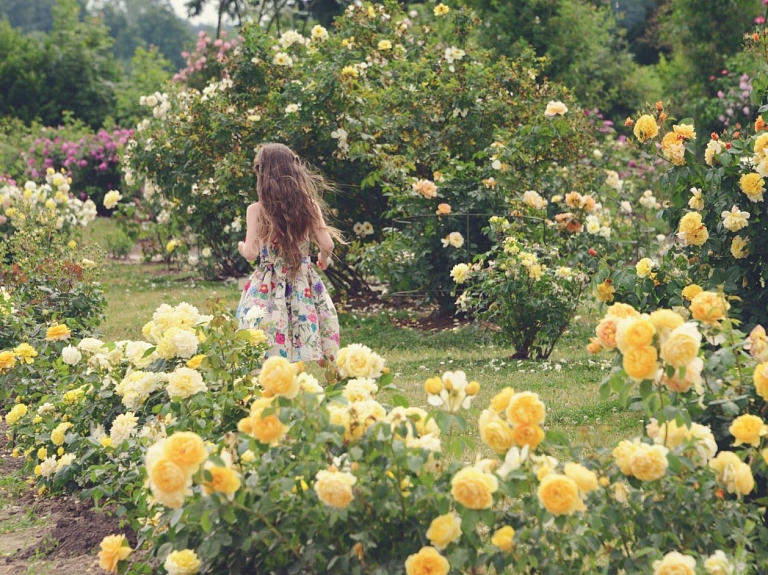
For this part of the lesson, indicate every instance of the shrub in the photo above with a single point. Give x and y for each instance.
(44, 273)
(93, 159)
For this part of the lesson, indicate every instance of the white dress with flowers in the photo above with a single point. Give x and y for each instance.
(297, 316)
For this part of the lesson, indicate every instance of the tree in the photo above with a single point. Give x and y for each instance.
(584, 45)
(28, 15)
(144, 23)
(81, 72)
(234, 9)
(22, 73)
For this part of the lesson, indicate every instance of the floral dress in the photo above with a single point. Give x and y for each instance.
(297, 316)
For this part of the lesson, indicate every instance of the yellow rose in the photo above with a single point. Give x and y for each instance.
(257, 336)
(385, 45)
(665, 320)
(622, 454)
(684, 131)
(183, 562)
(709, 307)
(186, 449)
(25, 352)
(692, 230)
(604, 291)
(57, 332)
(114, 548)
(753, 185)
(495, 432)
(474, 489)
(356, 360)
(528, 434)
(673, 148)
(334, 488)
(441, 10)
(675, 563)
(223, 480)
(444, 530)
(760, 378)
(472, 388)
(739, 248)
(7, 360)
(748, 429)
(691, 291)
(761, 145)
(606, 331)
(594, 346)
(427, 562)
(585, 478)
(744, 480)
(57, 436)
(649, 462)
(640, 362)
(17, 412)
(634, 332)
(166, 476)
(504, 538)
(195, 362)
(278, 377)
(433, 386)
(646, 128)
(559, 494)
(500, 401)
(621, 311)
(526, 407)
(682, 345)
(643, 267)
(268, 430)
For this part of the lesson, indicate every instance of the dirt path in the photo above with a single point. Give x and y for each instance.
(46, 535)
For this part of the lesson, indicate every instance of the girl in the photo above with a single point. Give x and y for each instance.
(284, 296)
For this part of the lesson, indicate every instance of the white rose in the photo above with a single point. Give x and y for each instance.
(71, 355)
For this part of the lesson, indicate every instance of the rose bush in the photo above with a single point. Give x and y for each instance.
(336, 98)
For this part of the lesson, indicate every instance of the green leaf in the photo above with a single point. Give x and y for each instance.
(400, 400)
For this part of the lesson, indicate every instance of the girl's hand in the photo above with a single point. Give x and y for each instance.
(241, 248)
(323, 263)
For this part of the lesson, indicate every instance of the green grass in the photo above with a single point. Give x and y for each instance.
(568, 383)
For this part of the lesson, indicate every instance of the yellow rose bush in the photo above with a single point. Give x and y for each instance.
(276, 471)
(716, 204)
(499, 285)
(705, 400)
(111, 400)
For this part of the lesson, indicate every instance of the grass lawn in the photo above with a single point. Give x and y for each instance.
(568, 383)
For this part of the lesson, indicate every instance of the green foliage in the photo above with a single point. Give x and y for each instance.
(68, 69)
(119, 244)
(584, 47)
(23, 84)
(703, 37)
(145, 24)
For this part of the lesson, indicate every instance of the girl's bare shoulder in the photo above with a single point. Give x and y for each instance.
(254, 208)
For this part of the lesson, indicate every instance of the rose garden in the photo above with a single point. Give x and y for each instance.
(553, 358)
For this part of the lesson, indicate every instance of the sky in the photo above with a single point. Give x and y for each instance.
(207, 17)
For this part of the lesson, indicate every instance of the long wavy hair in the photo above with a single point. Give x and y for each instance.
(291, 201)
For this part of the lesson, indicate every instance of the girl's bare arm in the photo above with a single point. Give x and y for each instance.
(248, 248)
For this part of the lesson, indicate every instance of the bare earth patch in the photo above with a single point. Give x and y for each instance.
(52, 535)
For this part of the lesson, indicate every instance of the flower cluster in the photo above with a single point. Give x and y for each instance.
(51, 201)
